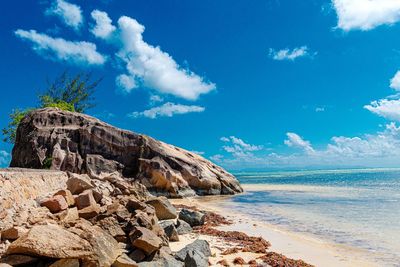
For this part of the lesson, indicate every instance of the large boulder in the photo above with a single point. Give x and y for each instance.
(164, 208)
(46, 241)
(199, 246)
(192, 217)
(82, 144)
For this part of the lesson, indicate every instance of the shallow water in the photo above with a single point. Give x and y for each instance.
(359, 208)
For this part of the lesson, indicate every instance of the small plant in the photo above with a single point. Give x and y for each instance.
(47, 162)
(65, 92)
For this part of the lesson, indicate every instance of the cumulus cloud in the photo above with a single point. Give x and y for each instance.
(4, 158)
(395, 81)
(287, 54)
(126, 83)
(366, 14)
(62, 50)
(154, 68)
(239, 149)
(166, 110)
(103, 27)
(389, 109)
(70, 14)
(294, 140)
(375, 150)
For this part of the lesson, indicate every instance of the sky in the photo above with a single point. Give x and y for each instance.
(262, 84)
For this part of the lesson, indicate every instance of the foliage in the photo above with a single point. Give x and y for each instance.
(66, 93)
(47, 163)
(10, 132)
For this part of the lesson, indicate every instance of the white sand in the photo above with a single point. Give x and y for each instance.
(292, 245)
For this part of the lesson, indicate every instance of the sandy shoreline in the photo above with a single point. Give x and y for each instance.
(292, 245)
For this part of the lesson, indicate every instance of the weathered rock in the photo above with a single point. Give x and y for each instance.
(46, 241)
(66, 263)
(145, 240)
(69, 198)
(78, 183)
(124, 261)
(13, 233)
(19, 190)
(199, 246)
(164, 208)
(82, 144)
(89, 212)
(137, 255)
(192, 217)
(183, 227)
(105, 248)
(196, 259)
(19, 260)
(54, 204)
(111, 226)
(68, 215)
(170, 230)
(164, 262)
(85, 199)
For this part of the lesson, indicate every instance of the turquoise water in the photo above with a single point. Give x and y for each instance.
(359, 208)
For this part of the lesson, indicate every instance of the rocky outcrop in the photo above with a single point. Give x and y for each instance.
(79, 143)
(104, 222)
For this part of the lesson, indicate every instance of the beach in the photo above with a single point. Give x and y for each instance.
(290, 244)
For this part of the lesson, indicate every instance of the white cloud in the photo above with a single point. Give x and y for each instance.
(198, 152)
(395, 81)
(319, 109)
(217, 158)
(69, 14)
(166, 110)
(62, 50)
(294, 140)
(239, 149)
(103, 27)
(154, 68)
(287, 54)
(126, 83)
(389, 109)
(4, 158)
(381, 149)
(366, 14)
(155, 99)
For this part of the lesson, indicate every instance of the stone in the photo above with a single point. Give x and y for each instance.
(137, 255)
(69, 198)
(18, 260)
(78, 183)
(89, 212)
(66, 263)
(183, 227)
(13, 233)
(124, 261)
(85, 199)
(111, 226)
(46, 241)
(54, 204)
(164, 262)
(145, 240)
(196, 259)
(164, 208)
(79, 143)
(68, 215)
(105, 249)
(192, 217)
(200, 246)
(170, 230)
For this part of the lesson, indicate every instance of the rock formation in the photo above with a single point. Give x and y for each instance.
(81, 144)
(54, 218)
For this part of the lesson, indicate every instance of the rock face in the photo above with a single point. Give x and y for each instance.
(82, 144)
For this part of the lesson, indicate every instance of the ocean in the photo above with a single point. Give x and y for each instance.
(358, 208)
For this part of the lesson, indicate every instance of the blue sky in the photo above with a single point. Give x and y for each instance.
(248, 84)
